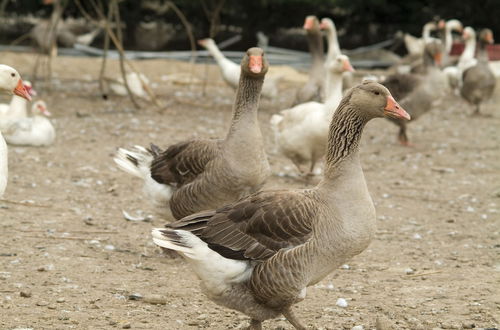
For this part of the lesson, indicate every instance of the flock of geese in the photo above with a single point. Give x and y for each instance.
(256, 251)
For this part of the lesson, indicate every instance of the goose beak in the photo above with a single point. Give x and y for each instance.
(255, 63)
(322, 25)
(489, 38)
(441, 24)
(308, 24)
(437, 58)
(202, 42)
(394, 110)
(21, 91)
(347, 66)
(46, 112)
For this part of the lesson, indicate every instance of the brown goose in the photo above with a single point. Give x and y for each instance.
(259, 254)
(417, 92)
(478, 81)
(313, 89)
(199, 175)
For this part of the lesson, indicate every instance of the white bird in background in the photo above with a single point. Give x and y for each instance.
(17, 106)
(31, 131)
(10, 82)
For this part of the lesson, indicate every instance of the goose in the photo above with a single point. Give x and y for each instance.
(414, 45)
(313, 89)
(135, 82)
(447, 38)
(10, 82)
(333, 51)
(258, 255)
(301, 132)
(17, 106)
(231, 71)
(197, 175)
(332, 39)
(32, 131)
(417, 93)
(478, 81)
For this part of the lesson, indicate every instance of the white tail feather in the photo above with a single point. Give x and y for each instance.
(138, 163)
(216, 271)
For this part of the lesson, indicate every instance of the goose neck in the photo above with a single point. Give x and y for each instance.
(343, 140)
(333, 43)
(470, 48)
(246, 104)
(333, 88)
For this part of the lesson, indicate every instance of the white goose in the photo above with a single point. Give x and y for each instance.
(17, 106)
(301, 132)
(11, 82)
(231, 71)
(32, 131)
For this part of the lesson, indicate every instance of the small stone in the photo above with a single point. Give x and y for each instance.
(51, 307)
(357, 327)
(25, 294)
(127, 326)
(155, 299)
(60, 300)
(341, 302)
(417, 236)
(468, 325)
(42, 303)
(409, 271)
(109, 247)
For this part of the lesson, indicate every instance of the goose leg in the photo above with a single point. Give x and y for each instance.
(255, 325)
(290, 316)
(402, 137)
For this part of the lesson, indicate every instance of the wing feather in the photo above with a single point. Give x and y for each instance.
(257, 226)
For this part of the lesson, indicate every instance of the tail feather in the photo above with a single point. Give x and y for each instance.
(137, 162)
(213, 269)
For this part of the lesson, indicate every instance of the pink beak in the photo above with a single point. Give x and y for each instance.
(255, 64)
(347, 66)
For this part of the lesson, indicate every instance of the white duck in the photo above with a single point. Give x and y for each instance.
(11, 82)
(231, 71)
(17, 106)
(32, 131)
(301, 132)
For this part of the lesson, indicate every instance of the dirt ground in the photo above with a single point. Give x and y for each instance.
(71, 260)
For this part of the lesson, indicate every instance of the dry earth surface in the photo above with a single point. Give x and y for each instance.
(71, 260)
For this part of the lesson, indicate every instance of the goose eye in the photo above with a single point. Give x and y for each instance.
(376, 93)
(12, 74)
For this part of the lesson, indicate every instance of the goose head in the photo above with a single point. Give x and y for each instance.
(339, 64)
(29, 88)
(11, 81)
(254, 63)
(454, 25)
(40, 108)
(486, 36)
(312, 23)
(372, 100)
(434, 49)
(207, 42)
(468, 33)
(327, 24)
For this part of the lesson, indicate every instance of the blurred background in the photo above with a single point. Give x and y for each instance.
(360, 22)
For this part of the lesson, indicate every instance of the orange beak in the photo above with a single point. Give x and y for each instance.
(21, 91)
(441, 24)
(202, 42)
(308, 24)
(489, 38)
(347, 66)
(437, 58)
(255, 63)
(465, 35)
(394, 110)
(322, 25)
